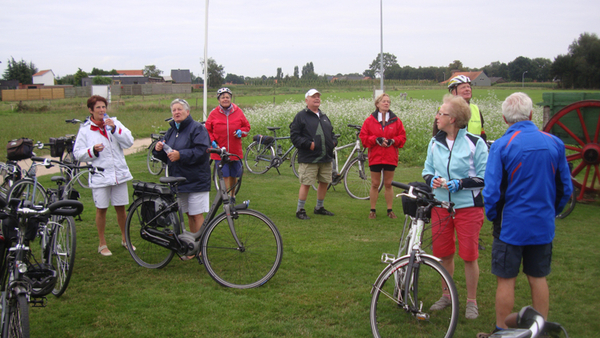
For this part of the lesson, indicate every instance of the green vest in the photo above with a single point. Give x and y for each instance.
(474, 126)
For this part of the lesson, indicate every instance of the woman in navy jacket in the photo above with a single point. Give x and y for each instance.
(383, 133)
(187, 157)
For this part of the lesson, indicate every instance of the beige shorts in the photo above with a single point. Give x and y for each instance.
(117, 195)
(311, 172)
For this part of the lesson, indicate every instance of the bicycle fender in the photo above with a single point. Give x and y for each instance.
(384, 272)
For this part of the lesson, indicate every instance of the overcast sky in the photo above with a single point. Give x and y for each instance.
(254, 38)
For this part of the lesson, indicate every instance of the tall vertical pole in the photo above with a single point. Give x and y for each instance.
(381, 54)
(204, 103)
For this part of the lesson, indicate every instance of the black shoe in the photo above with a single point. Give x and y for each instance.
(322, 211)
(301, 214)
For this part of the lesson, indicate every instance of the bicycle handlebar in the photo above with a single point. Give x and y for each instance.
(47, 162)
(60, 208)
(422, 195)
(74, 121)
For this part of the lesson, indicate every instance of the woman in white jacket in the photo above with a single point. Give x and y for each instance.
(101, 142)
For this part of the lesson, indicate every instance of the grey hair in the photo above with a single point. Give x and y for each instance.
(517, 107)
(186, 106)
(459, 109)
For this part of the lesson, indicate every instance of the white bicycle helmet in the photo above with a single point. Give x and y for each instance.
(224, 90)
(455, 81)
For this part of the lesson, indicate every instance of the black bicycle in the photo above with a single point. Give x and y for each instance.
(239, 247)
(22, 278)
(265, 153)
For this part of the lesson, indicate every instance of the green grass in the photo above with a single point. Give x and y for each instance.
(321, 289)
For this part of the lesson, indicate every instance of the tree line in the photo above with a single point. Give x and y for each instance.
(579, 68)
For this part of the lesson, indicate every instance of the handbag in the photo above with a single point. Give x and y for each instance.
(19, 149)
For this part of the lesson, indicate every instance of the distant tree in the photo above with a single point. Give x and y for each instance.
(66, 80)
(541, 69)
(296, 72)
(235, 79)
(152, 71)
(215, 74)
(279, 73)
(101, 80)
(497, 69)
(20, 71)
(580, 68)
(518, 66)
(97, 71)
(389, 60)
(308, 72)
(456, 65)
(196, 79)
(78, 76)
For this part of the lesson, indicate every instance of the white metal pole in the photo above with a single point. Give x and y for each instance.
(204, 103)
(381, 56)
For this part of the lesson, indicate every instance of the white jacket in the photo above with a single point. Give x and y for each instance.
(111, 158)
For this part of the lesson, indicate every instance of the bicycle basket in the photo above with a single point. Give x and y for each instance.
(69, 143)
(148, 188)
(266, 140)
(409, 205)
(9, 228)
(57, 146)
(19, 149)
(42, 278)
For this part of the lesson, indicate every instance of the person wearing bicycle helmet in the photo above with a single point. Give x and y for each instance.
(528, 183)
(383, 134)
(226, 126)
(102, 146)
(461, 86)
(455, 168)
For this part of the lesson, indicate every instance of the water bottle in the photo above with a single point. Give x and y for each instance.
(167, 148)
(108, 128)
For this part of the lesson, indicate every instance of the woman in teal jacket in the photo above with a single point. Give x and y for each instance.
(454, 168)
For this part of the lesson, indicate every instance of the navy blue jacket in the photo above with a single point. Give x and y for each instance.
(192, 142)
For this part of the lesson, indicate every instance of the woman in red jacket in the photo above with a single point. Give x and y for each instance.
(226, 126)
(383, 133)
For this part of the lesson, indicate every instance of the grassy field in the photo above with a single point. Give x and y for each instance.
(329, 263)
(321, 289)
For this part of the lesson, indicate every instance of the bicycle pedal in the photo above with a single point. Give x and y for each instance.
(387, 258)
(38, 302)
(422, 316)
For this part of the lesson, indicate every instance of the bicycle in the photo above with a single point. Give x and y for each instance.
(10, 172)
(410, 283)
(69, 157)
(23, 280)
(239, 247)
(354, 173)
(156, 166)
(58, 237)
(265, 153)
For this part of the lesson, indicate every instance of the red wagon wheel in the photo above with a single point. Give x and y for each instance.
(578, 126)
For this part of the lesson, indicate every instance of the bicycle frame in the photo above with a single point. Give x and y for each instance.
(357, 148)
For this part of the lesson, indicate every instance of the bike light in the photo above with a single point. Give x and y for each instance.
(22, 267)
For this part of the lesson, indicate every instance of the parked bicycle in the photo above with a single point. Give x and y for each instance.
(265, 153)
(410, 283)
(156, 166)
(22, 278)
(355, 172)
(239, 247)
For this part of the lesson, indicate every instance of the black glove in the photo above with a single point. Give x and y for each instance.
(390, 141)
(380, 141)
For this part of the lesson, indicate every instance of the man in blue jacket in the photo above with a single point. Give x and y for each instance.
(527, 183)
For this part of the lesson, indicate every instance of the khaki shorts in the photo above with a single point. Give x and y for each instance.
(312, 172)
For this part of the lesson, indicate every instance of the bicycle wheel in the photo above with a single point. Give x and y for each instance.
(16, 323)
(62, 253)
(155, 166)
(257, 158)
(570, 205)
(295, 163)
(68, 159)
(83, 180)
(255, 262)
(410, 315)
(142, 218)
(30, 191)
(357, 179)
(5, 183)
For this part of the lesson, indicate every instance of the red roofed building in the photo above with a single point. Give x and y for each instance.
(131, 72)
(44, 77)
(477, 78)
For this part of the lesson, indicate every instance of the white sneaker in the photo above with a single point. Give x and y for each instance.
(443, 303)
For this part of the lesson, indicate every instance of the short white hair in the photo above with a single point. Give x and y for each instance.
(186, 106)
(517, 107)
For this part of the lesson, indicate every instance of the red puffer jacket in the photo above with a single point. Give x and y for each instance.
(221, 128)
(393, 129)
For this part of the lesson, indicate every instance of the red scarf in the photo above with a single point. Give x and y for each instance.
(99, 127)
